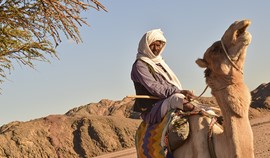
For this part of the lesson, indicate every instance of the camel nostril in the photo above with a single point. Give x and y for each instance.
(241, 31)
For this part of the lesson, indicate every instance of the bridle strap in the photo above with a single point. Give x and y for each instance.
(227, 55)
(211, 145)
(196, 98)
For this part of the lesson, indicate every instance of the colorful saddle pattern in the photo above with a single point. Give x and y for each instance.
(150, 139)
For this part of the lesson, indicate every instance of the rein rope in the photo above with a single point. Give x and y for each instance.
(196, 98)
(227, 55)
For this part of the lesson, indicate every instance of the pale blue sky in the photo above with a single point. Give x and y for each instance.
(100, 67)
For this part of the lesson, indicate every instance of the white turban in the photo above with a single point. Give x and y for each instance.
(145, 54)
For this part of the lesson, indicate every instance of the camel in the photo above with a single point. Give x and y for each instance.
(224, 75)
(224, 64)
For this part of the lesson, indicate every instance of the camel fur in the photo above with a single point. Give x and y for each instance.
(235, 138)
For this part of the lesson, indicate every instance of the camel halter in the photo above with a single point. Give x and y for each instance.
(227, 55)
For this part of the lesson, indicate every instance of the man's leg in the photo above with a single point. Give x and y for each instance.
(173, 102)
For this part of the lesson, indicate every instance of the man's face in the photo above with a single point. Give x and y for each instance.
(156, 47)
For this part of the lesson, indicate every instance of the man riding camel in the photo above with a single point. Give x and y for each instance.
(153, 77)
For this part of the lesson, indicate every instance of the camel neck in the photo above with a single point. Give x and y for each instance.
(237, 130)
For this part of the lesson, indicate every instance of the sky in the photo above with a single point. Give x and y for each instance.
(99, 68)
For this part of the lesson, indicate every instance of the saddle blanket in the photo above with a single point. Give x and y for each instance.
(150, 139)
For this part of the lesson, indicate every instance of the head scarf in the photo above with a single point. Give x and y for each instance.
(145, 54)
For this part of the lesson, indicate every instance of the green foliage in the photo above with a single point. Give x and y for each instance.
(30, 29)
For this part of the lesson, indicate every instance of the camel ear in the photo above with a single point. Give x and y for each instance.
(201, 63)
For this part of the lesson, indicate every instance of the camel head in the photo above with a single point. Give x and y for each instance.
(225, 58)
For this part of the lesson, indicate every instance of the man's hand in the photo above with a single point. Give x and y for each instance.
(188, 94)
(188, 106)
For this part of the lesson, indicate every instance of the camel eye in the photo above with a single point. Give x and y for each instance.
(207, 72)
(216, 49)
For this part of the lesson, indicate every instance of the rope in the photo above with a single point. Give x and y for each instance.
(200, 94)
(211, 146)
(227, 55)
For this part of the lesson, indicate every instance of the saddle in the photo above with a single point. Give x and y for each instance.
(178, 131)
(160, 140)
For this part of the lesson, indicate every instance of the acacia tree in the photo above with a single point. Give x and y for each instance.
(30, 30)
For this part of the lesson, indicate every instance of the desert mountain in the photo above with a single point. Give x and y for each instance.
(261, 96)
(86, 131)
(90, 130)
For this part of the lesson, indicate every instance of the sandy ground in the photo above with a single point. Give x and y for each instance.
(261, 132)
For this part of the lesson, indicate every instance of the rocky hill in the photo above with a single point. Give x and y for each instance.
(86, 131)
(260, 104)
(90, 130)
(261, 96)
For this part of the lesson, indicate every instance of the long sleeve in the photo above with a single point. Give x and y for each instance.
(155, 84)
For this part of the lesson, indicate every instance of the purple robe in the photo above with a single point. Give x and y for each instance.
(148, 82)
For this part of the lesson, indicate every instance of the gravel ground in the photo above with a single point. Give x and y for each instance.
(261, 132)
